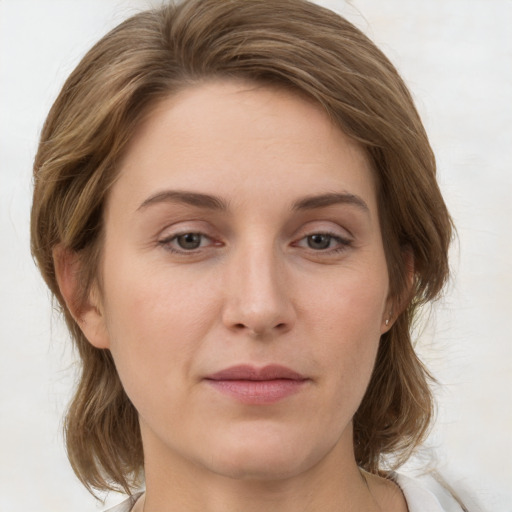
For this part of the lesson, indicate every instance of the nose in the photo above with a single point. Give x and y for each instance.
(258, 298)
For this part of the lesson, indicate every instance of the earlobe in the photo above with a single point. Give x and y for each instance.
(387, 319)
(86, 310)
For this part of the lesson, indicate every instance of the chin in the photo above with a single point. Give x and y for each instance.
(265, 456)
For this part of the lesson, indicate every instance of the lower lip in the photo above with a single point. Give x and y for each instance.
(258, 392)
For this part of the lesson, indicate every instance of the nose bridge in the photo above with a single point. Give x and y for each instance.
(257, 298)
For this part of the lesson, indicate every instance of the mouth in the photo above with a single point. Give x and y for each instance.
(257, 386)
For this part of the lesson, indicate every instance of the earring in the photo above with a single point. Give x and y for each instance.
(387, 321)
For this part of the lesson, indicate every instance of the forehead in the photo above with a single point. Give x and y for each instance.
(231, 138)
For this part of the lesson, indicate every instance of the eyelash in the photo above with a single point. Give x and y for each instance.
(343, 243)
(166, 242)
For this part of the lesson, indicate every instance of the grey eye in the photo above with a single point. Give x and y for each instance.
(319, 241)
(189, 241)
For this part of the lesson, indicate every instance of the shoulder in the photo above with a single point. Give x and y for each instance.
(126, 505)
(426, 494)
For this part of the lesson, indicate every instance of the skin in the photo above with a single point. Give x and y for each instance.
(258, 289)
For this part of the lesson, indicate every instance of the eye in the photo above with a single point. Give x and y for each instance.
(327, 242)
(189, 241)
(319, 241)
(186, 242)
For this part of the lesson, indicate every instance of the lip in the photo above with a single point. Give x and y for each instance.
(248, 372)
(257, 386)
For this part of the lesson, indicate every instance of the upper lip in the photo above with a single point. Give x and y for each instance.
(248, 372)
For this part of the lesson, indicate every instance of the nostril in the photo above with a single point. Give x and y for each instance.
(259, 330)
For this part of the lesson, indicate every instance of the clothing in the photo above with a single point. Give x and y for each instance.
(426, 495)
(127, 504)
(421, 495)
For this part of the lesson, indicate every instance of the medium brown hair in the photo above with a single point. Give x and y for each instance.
(286, 43)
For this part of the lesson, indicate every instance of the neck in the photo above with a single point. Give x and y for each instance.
(334, 484)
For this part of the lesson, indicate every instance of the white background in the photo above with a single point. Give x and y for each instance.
(456, 56)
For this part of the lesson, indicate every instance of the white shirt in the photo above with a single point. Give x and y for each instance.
(421, 495)
(426, 495)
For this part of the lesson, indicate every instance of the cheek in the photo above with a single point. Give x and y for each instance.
(352, 306)
(156, 323)
(155, 301)
(347, 319)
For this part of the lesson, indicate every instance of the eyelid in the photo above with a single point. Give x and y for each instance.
(326, 227)
(179, 234)
(342, 237)
(184, 226)
(171, 233)
(343, 242)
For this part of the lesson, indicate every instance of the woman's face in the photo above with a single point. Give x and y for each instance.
(244, 283)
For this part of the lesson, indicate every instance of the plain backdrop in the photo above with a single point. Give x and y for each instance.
(456, 56)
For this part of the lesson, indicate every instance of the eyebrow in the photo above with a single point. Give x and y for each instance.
(330, 199)
(191, 198)
(210, 202)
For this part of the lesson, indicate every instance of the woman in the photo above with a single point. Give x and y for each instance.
(235, 204)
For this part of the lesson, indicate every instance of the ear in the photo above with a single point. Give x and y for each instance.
(395, 305)
(87, 312)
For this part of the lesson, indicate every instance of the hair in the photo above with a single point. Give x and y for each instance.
(292, 44)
